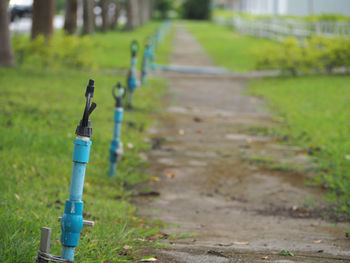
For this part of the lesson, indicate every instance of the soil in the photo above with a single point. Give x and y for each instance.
(234, 196)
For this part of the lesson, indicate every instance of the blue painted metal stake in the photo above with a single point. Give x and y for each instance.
(72, 220)
(116, 149)
(132, 82)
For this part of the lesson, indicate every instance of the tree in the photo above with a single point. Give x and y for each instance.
(132, 14)
(145, 6)
(70, 21)
(116, 13)
(105, 5)
(42, 21)
(151, 9)
(6, 54)
(163, 7)
(88, 16)
(194, 9)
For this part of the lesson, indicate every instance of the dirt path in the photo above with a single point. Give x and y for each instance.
(225, 186)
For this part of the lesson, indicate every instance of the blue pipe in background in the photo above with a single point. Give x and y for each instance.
(116, 148)
(132, 82)
(147, 56)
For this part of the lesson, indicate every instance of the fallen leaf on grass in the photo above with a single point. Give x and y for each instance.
(148, 260)
(129, 145)
(155, 179)
(126, 247)
(265, 258)
(317, 241)
(240, 243)
(17, 197)
(170, 175)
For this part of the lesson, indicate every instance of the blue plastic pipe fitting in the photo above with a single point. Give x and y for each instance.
(72, 219)
(116, 149)
(132, 82)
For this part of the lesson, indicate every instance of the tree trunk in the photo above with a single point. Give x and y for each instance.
(42, 21)
(88, 16)
(132, 14)
(70, 21)
(105, 14)
(114, 20)
(6, 54)
(151, 8)
(145, 11)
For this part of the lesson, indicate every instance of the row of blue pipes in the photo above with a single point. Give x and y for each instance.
(72, 220)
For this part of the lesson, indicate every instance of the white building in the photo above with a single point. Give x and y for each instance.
(289, 7)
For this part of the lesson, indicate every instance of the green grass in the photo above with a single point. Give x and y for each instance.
(314, 112)
(110, 52)
(164, 50)
(227, 48)
(223, 13)
(40, 109)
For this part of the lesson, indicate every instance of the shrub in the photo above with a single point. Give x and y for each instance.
(61, 50)
(314, 54)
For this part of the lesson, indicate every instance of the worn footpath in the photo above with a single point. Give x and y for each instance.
(236, 195)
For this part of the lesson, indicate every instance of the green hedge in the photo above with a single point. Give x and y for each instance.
(313, 54)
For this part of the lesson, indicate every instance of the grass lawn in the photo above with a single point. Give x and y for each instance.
(110, 47)
(40, 109)
(227, 48)
(315, 114)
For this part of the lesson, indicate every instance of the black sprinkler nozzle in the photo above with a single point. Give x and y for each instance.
(84, 128)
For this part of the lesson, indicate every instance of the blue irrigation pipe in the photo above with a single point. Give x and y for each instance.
(116, 148)
(147, 58)
(132, 82)
(72, 220)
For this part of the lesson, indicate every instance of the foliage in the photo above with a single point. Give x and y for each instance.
(60, 4)
(314, 113)
(102, 50)
(61, 50)
(199, 10)
(227, 48)
(225, 13)
(163, 7)
(316, 53)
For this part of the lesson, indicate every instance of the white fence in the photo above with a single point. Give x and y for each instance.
(279, 28)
